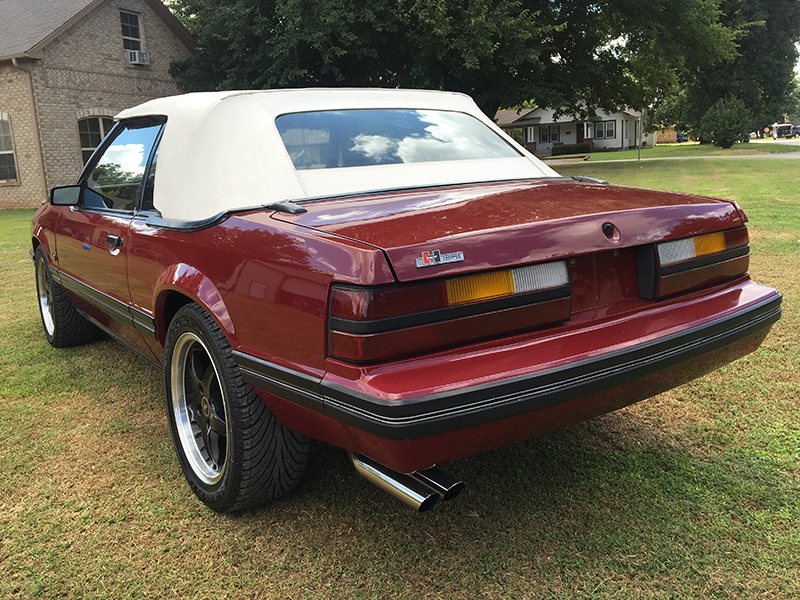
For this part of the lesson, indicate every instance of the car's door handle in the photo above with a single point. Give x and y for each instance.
(114, 240)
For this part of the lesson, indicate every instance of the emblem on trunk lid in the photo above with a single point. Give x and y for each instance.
(429, 259)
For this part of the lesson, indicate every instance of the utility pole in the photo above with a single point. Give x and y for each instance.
(641, 112)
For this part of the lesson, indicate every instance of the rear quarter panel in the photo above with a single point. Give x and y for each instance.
(265, 282)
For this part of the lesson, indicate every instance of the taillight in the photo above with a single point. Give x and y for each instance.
(374, 324)
(677, 266)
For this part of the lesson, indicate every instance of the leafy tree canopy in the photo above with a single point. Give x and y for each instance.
(574, 55)
(761, 75)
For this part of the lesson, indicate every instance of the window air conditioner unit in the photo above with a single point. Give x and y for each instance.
(137, 57)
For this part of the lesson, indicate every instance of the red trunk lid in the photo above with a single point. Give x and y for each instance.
(500, 225)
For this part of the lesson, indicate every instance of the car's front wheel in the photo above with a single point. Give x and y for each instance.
(63, 324)
(234, 452)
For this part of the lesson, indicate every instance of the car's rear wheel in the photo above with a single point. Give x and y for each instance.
(63, 324)
(234, 452)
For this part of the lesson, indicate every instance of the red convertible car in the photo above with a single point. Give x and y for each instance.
(385, 271)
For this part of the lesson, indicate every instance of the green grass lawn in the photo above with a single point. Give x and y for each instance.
(692, 149)
(693, 494)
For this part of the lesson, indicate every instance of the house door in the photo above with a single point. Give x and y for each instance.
(580, 131)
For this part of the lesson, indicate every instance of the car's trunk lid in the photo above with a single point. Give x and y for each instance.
(435, 232)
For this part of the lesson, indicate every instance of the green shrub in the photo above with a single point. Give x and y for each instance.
(726, 122)
(572, 149)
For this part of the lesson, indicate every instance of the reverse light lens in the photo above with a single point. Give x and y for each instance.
(540, 277)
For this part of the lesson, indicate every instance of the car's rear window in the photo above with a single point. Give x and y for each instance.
(357, 138)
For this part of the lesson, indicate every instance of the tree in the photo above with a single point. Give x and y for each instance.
(574, 55)
(727, 122)
(761, 75)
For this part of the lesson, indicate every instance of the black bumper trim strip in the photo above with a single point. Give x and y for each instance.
(289, 384)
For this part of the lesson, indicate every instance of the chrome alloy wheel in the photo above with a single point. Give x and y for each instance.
(198, 405)
(45, 294)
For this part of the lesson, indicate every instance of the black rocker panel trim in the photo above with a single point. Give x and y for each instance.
(448, 411)
(446, 314)
(117, 309)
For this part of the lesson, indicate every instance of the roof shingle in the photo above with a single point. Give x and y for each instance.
(24, 24)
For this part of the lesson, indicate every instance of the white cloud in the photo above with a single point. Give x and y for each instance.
(130, 157)
(376, 147)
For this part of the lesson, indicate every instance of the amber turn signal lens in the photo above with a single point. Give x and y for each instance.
(479, 287)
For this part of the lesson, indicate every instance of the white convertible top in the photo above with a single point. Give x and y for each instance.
(221, 151)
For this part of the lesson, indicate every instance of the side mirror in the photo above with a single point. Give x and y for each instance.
(65, 195)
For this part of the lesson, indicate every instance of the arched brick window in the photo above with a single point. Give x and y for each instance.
(8, 169)
(93, 130)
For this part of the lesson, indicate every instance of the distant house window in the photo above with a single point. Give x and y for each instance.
(605, 130)
(8, 171)
(92, 131)
(548, 133)
(131, 32)
(517, 133)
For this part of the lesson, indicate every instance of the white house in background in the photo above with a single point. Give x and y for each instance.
(539, 130)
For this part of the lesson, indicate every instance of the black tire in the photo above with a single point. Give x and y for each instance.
(234, 452)
(63, 324)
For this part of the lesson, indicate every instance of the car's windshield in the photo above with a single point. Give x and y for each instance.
(355, 138)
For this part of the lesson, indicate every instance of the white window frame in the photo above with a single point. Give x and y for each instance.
(601, 130)
(549, 133)
(129, 40)
(103, 133)
(4, 118)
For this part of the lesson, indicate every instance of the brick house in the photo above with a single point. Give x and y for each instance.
(66, 68)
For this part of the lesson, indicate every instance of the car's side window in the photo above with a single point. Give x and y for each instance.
(116, 180)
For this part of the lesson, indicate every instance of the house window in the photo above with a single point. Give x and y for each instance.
(131, 33)
(548, 133)
(8, 171)
(517, 134)
(92, 131)
(605, 130)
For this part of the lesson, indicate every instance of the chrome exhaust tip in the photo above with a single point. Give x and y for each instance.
(403, 487)
(444, 484)
(420, 490)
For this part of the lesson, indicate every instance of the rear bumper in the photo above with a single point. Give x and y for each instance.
(531, 389)
(472, 405)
